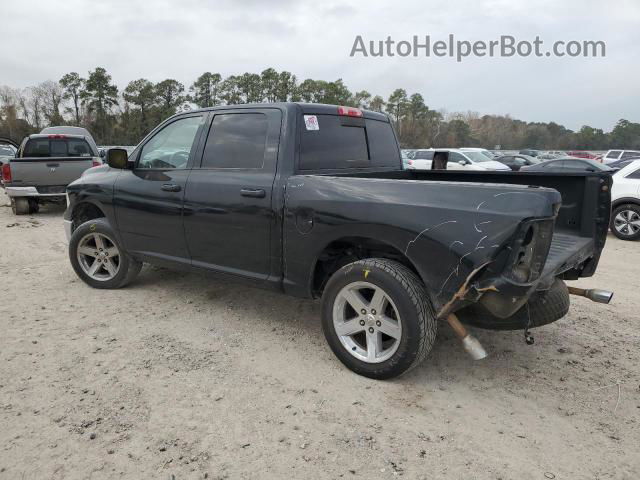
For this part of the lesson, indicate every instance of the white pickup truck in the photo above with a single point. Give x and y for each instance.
(43, 167)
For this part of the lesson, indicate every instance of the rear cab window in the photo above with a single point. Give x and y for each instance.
(335, 142)
(57, 147)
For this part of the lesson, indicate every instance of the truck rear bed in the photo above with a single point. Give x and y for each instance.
(581, 227)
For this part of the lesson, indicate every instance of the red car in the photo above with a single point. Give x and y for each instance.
(583, 154)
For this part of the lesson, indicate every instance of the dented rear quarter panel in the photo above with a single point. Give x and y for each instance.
(445, 229)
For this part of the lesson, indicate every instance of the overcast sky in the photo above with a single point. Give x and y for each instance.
(181, 39)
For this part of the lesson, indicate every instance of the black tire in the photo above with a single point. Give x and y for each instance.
(543, 308)
(20, 206)
(34, 206)
(408, 294)
(128, 266)
(633, 211)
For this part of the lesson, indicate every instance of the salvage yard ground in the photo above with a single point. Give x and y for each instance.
(185, 376)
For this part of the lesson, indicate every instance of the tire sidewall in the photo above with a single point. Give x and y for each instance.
(617, 210)
(20, 206)
(101, 226)
(407, 351)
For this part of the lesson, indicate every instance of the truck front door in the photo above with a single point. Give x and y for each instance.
(148, 199)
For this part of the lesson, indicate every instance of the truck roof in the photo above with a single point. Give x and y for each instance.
(67, 130)
(305, 108)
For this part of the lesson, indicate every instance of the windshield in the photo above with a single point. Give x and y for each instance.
(477, 157)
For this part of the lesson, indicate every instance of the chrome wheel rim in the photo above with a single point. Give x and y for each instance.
(98, 257)
(367, 322)
(627, 222)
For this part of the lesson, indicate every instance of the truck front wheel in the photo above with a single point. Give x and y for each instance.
(97, 257)
(377, 318)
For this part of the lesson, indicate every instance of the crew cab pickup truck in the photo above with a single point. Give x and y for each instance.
(43, 167)
(311, 200)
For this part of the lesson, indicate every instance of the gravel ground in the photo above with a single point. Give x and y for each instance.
(183, 377)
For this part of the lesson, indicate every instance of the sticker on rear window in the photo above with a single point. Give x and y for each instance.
(311, 122)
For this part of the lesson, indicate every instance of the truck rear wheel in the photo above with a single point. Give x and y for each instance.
(20, 206)
(377, 318)
(97, 257)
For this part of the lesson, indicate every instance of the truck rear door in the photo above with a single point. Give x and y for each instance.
(228, 213)
(51, 163)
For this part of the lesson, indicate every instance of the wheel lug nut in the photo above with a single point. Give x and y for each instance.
(373, 312)
(363, 311)
(362, 323)
(378, 323)
(370, 329)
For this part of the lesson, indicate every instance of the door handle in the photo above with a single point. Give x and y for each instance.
(253, 192)
(171, 187)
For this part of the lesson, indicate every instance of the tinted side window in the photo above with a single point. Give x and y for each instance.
(613, 154)
(332, 145)
(236, 140)
(171, 146)
(629, 155)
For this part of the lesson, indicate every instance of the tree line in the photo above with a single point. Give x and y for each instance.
(124, 117)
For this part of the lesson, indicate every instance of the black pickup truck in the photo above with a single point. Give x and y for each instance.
(311, 200)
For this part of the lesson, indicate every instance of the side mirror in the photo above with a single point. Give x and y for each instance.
(117, 158)
(463, 162)
(102, 153)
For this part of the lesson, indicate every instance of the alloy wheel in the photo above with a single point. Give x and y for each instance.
(367, 322)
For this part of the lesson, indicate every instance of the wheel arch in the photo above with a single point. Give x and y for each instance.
(623, 201)
(85, 211)
(347, 249)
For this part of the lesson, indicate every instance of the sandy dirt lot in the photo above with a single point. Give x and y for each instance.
(184, 377)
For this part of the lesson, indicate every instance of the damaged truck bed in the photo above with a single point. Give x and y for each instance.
(311, 200)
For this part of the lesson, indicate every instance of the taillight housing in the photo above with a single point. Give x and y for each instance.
(350, 112)
(96, 163)
(530, 250)
(6, 173)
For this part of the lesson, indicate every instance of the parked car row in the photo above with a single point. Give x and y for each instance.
(525, 160)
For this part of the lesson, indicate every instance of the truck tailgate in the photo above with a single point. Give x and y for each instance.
(48, 171)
